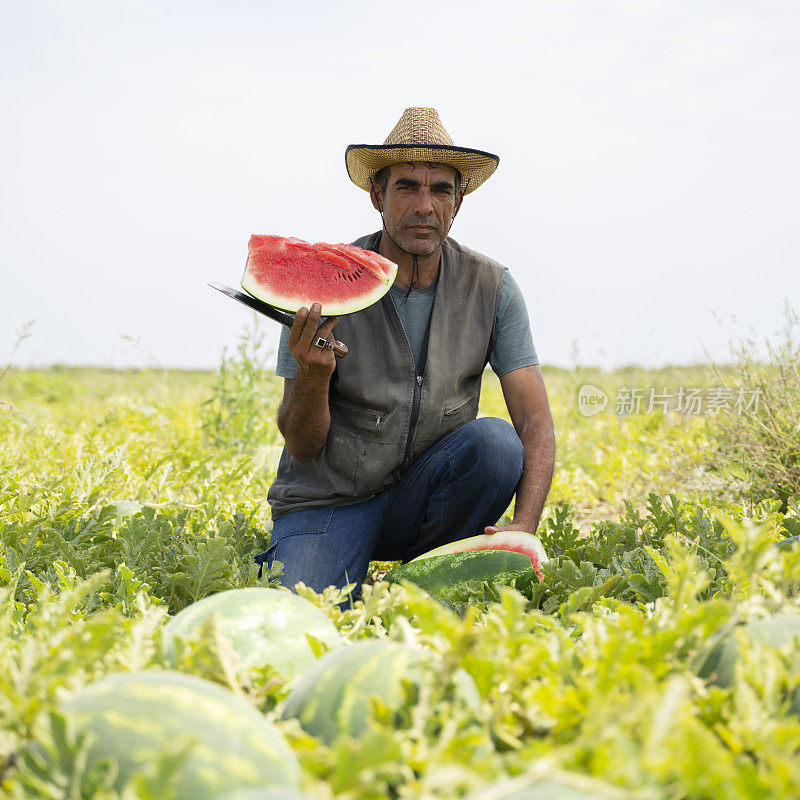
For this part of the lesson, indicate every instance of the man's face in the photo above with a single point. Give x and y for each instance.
(419, 205)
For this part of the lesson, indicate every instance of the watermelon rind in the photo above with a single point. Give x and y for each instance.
(448, 577)
(332, 700)
(512, 541)
(264, 626)
(137, 716)
(345, 295)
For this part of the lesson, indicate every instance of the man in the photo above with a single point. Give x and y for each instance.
(384, 458)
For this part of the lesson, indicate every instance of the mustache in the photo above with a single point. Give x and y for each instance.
(431, 222)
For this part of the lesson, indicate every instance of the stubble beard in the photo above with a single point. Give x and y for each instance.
(418, 247)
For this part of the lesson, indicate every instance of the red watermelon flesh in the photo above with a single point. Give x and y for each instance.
(290, 273)
(515, 541)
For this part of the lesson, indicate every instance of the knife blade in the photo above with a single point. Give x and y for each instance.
(284, 317)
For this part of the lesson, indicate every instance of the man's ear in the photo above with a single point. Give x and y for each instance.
(376, 199)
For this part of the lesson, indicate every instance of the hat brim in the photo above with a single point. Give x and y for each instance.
(363, 161)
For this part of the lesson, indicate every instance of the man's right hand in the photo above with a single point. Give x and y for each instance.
(304, 416)
(315, 362)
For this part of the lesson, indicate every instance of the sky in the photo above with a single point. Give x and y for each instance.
(646, 200)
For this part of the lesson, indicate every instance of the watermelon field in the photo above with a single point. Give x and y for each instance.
(141, 658)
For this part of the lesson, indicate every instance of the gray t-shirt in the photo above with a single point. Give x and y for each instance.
(513, 343)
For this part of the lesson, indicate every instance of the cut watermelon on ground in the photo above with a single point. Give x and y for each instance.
(453, 578)
(513, 541)
(291, 274)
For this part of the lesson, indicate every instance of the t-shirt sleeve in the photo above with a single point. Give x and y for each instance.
(513, 342)
(286, 366)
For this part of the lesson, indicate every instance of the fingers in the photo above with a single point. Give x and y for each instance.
(302, 335)
(305, 325)
(297, 328)
(310, 327)
(326, 327)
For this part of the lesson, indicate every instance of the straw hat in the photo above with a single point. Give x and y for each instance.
(419, 136)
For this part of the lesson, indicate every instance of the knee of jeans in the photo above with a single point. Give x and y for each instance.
(497, 448)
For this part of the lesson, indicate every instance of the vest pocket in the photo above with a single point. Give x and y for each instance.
(364, 423)
(362, 445)
(460, 412)
(340, 462)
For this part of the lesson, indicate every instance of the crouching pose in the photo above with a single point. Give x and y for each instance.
(384, 457)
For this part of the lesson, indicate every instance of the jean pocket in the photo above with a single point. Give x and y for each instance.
(264, 557)
(295, 523)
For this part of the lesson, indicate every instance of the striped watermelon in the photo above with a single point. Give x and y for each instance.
(717, 663)
(558, 785)
(546, 790)
(512, 541)
(136, 716)
(445, 576)
(333, 698)
(262, 794)
(264, 626)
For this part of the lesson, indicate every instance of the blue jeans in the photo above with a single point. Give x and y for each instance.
(455, 489)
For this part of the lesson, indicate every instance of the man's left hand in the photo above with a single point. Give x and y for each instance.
(526, 400)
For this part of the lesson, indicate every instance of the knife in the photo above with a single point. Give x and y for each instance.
(284, 317)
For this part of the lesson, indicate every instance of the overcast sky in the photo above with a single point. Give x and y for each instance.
(646, 198)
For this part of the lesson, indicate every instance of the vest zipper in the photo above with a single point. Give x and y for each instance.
(414, 416)
(391, 312)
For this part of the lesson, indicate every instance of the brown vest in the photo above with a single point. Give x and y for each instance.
(384, 415)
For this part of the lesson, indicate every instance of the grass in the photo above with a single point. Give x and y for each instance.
(127, 494)
(137, 432)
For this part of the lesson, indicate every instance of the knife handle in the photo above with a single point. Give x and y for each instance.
(340, 349)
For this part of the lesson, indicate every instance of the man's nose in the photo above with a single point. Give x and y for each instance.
(423, 201)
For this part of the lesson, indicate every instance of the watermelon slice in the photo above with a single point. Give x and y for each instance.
(514, 541)
(290, 273)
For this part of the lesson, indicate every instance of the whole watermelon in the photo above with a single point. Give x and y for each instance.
(445, 577)
(549, 790)
(136, 716)
(262, 794)
(264, 626)
(333, 698)
(717, 663)
(564, 786)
